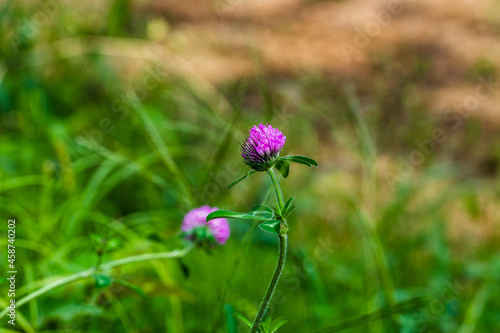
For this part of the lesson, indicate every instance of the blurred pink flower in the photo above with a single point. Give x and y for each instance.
(219, 228)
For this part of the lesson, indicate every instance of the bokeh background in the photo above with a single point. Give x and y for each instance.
(117, 117)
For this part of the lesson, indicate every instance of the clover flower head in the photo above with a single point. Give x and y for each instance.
(194, 223)
(262, 147)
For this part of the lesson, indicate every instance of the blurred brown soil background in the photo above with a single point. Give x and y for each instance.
(456, 41)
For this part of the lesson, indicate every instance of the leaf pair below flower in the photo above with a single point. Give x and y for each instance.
(283, 163)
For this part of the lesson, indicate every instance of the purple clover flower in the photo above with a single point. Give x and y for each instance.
(196, 218)
(262, 147)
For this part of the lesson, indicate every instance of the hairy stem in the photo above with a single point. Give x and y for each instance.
(281, 259)
(272, 284)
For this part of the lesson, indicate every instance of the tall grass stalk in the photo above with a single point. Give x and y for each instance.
(368, 153)
(166, 156)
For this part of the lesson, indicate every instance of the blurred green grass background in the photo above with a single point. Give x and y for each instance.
(107, 137)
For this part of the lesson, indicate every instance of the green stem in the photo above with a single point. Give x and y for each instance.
(277, 188)
(272, 284)
(87, 273)
(281, 258)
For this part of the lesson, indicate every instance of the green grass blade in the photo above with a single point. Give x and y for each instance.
(166, 156)
(476, 308)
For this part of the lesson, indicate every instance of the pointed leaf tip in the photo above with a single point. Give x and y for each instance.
(288, 203)
(243, 319)
(278, 325)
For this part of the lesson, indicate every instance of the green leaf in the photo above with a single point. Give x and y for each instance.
(300, 159)
(278, 210)
(288, 203)
(272, 226)
(251, 172)
(262, 210)
(276, 326)
(102, 281)
(243, 319)
(264, 327)
(261, 207)
(255, 215)
(283, 167)
(261, 215)
(289, 210)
